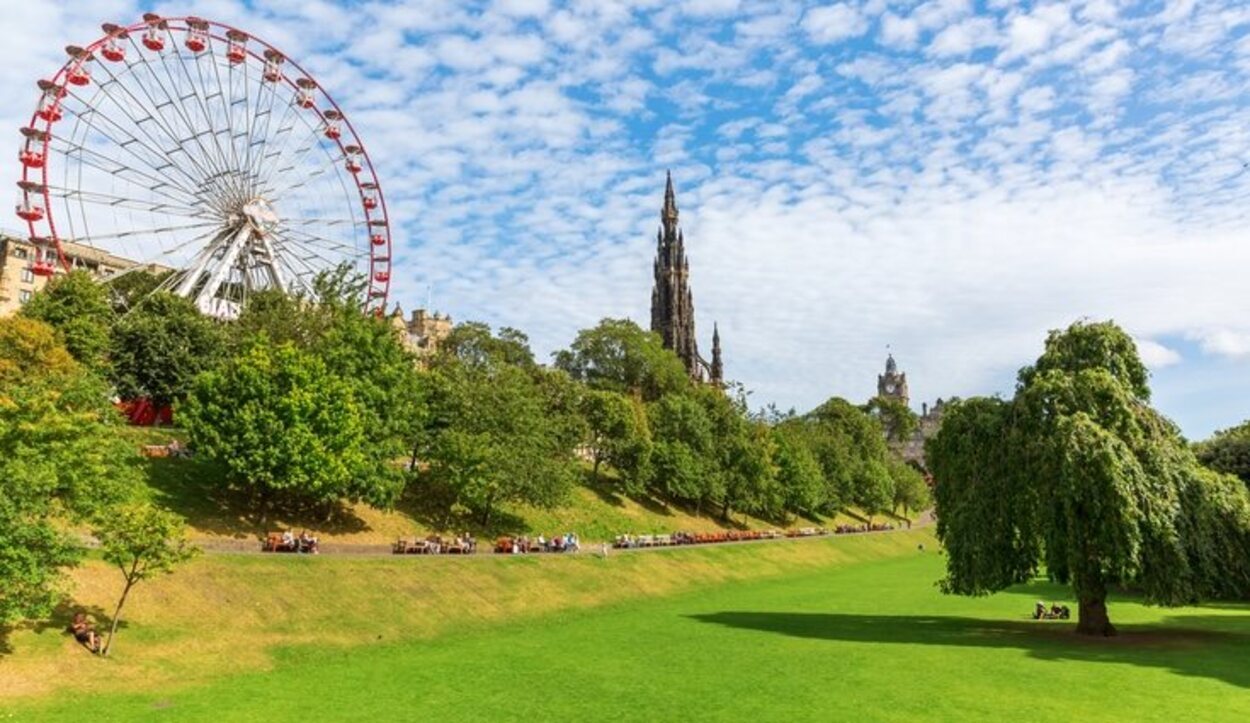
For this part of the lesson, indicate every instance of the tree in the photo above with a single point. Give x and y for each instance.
(161, 346)
(62, 459)
(851, 449)
(284, 429)
(473, 344)
(618, 435)
(127, 290)
(78, 308)
(894, 416)
(682, 456)
(1228, 451)
(1079, 473)
(142, 542)
(911, 492)
(799, 474)
(492, 439)
(619, 356)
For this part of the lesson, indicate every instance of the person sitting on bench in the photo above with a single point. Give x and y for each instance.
(84, 632)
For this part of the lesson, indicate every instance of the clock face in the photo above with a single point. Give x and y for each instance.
(889, 388)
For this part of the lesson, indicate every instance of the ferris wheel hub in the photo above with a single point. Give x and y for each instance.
(260, 215)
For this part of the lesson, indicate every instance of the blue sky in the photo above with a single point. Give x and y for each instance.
(948, 178)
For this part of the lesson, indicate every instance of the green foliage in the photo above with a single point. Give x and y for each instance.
(283, 428)
(618, 435)
(799, 474)
(501, 430)
(127, 290)
(161, 346)
(363, 351)
(141, 541)
(62, 460)
(911, 492)
(1078, 472)
(850, 447)
(895, 417)
(1228, 451)
(78, 308)
(682, 454)
(619, 356)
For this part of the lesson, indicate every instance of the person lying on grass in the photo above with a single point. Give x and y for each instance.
(84, 632)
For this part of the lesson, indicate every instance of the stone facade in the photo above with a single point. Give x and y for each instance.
(422, 332)
(18, 283)
(672, 303)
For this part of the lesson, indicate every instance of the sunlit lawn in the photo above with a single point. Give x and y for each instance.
(865, 641)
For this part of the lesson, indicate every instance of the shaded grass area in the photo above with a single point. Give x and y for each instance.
(820, 630)
(596, 510)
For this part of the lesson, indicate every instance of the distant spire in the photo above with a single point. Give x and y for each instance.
(718, 368)
(669, 213)
(890, 366)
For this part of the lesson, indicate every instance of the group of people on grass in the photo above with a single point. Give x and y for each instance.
(1054, 612)
(874, 527)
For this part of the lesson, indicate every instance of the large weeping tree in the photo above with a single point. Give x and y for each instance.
(1078, 473)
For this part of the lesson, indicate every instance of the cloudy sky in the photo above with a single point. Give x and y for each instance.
(949, 178)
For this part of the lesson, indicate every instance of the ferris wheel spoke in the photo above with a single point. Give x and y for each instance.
(105, 199)
(206, 104)
(157, 184)
(161, 166)
(218, 154)
(263, 135)
(302, 243)
(144, 232)
(283, 164)
(304, 237)
(157, 107)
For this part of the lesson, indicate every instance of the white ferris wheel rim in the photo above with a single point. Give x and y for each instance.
(217, 157)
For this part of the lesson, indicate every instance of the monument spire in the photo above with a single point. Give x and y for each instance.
(672, 304)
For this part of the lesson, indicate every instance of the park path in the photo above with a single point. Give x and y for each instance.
(251, 546)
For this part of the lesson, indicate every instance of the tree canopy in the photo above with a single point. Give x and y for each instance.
(78, 308)
(160, 346)
(1078, 473)
(617, 355)
(1228, 451)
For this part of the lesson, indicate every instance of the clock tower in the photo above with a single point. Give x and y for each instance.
(892, 383)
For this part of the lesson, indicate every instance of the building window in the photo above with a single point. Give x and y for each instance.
(19, 252)
(23, 296)
(28, 276)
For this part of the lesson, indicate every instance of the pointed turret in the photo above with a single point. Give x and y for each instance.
(717, 371)
(672, 304)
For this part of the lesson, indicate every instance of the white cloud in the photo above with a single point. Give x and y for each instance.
(1227, 342)
(832, 23)
(1157, 356)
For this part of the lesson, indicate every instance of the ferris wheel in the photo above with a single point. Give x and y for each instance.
(189, 147)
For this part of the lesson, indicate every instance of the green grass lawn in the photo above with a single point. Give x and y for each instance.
(867, 637)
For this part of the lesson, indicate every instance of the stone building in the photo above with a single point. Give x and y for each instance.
(672, 303)
(422, 332)
(19, 279)
(893, 384)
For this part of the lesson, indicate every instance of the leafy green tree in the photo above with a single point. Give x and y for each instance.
(852, 452)
(491, 440)
(78, 308)
(619, 356)
(142, 542)
(161, 346)
(473, 344)
(62, 460)
(1228, 451)
(127, 290)
(911, 492)
(1079, 473)
(895, 417)
(682, 459)
(284, 429)
(799, 475)
(618, 435)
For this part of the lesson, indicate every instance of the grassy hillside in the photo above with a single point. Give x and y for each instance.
(223, 614)
(809, 630)
(594, 511)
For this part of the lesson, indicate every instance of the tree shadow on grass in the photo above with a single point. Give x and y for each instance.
(192, 488)
(1202, 646)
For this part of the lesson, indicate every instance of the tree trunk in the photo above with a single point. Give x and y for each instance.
(1092, 617)
(594, 473)
(724, 513)
(117, 616)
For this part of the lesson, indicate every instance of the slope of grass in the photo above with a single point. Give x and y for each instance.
(819, 630)
(594, 511)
